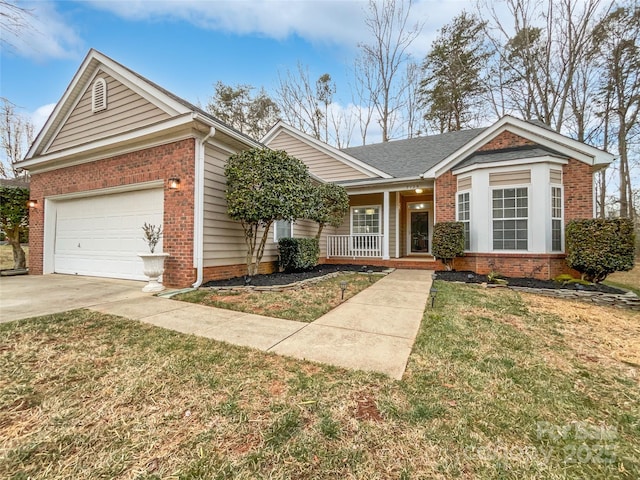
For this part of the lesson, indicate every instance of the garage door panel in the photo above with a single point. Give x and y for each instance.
(101, 235)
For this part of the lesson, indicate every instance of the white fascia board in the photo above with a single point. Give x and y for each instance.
(511, 163)
(183, 120)
(82, 70)
(394, 186)
(326, 149)
(565, 145)
(93, 62)
(226, 130)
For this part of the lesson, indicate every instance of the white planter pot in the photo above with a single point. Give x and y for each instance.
(153, 268)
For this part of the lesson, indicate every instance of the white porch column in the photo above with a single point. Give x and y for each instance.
(385, 227)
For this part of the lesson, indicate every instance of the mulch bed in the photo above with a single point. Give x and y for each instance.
(470, 277)
(282, 278)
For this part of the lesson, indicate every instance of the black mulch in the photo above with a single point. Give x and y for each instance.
(470, 277)
(287, 278)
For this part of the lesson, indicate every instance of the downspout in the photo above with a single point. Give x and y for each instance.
(198, 209)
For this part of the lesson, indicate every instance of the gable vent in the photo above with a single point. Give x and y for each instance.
(99, 95)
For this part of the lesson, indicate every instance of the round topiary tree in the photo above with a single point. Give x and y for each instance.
(597, 247)
(448, 242)
(328, 206)
(263, 186)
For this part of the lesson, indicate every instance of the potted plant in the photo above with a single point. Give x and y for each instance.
(153, 262)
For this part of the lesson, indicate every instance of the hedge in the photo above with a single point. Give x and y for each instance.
(598, 247)
(298, 253)
(448, 242)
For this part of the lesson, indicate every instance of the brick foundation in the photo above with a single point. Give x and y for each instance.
(156, 163)
(231, 271)
(540, 266)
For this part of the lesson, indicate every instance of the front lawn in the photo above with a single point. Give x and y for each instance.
(304, 305)
(499, 385)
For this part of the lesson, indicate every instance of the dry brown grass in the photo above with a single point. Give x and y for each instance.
(630, 279)
(303, 305)
(6, 256)
(84, 396)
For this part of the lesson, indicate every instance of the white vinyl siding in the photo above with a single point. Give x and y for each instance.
(556, 219)
(127, 111)
(319, 163)
(515, 177)
(464, 216)
(510, 214)
(464, 183)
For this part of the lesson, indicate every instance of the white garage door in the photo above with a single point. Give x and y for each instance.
(100, 236)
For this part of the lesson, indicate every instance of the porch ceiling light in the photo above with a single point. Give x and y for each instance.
(174, 182)
(419, 190)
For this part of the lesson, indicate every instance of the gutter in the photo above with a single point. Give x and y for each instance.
(198, 209)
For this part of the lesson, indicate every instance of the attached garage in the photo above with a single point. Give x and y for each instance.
(100, 235)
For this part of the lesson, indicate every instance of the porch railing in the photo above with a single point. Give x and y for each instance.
(354, 246)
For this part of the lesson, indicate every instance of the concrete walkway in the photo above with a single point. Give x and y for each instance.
(374, 330)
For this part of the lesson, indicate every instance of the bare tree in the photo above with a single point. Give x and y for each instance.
(16, 134)
(541, 52)
(13, 20)
(382, 62)
(300, 102)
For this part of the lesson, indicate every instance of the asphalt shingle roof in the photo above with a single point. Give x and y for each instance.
(414, 156)
(516, 153)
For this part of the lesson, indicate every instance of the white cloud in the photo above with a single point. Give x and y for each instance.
(40, 116)
(325, 21)
(338, 22)
(45, 34)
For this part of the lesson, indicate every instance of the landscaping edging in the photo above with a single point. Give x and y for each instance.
(291, 286)
(628, 300)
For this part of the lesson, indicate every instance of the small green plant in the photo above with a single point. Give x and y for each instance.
(566, 279)
(496, 279)
(448, 242)
(152, 235)
(298, 253)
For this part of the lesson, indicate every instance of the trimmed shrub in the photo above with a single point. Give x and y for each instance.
(298, 253)
(598, 247)
(448, 242)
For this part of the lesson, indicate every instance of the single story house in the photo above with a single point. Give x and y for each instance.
(119, 150)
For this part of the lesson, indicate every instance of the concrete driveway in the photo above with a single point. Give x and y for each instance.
(28, 296)
(374, 330)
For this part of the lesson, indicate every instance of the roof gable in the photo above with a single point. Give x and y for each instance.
(323, 160)
(125, 110)
(510, 132)
(162, 104)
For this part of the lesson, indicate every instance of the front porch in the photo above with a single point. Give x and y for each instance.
(386, 228)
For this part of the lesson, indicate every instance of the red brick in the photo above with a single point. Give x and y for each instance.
(155, 163)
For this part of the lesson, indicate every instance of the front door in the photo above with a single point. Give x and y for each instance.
(419, 231)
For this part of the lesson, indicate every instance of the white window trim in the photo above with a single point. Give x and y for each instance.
(275, 230)
(379, 207)
(99, 108)
(529, 203)
(561, 218)
(458, 215)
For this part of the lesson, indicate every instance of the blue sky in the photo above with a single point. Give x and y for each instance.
(186, 46)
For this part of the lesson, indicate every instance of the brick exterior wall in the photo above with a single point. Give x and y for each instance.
(445, 187)
(505, 140)
(156, 163)
(525, 265)
(578, 203)
(577, 179)
(231, 271)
